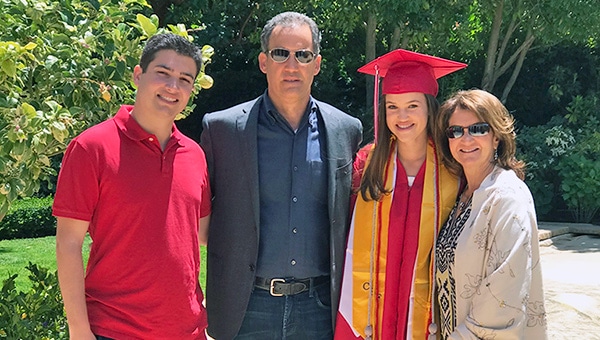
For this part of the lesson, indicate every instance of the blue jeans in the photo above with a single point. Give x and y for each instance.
(302, 316)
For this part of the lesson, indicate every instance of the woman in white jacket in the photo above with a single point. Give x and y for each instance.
(488, 275)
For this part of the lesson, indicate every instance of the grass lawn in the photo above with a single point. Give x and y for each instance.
(16, 254)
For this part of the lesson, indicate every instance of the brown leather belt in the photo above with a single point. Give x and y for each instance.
(283, 287)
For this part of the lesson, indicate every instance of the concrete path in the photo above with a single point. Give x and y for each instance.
(570, 256)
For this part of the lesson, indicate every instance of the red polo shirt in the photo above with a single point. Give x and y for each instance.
(143, 206)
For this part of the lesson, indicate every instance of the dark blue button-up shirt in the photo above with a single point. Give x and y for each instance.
(294, 223)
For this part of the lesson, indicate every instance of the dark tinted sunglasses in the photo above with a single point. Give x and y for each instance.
(280, 55)
(475, 130)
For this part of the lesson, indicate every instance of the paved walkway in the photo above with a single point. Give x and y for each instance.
(570, 255)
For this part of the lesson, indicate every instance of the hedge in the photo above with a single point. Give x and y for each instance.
(28, 218)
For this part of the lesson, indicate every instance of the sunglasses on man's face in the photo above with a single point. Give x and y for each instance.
(281, 55)
(475, 130)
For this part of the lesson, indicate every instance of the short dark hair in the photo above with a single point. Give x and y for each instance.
(170, 41)
(290, 19)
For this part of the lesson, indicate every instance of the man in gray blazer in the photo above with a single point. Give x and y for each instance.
(280, 168)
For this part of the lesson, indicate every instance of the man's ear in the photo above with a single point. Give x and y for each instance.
(317, 65)
(137, 72)
(262, 62)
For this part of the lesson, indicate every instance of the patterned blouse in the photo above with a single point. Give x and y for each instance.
(488, 275)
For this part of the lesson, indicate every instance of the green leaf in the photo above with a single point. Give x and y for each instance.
(50, 61)
(28, 110)
(30, 46)
(9, 67)
(4, 205)
(59, 131)
(96, 4)
(147, 26)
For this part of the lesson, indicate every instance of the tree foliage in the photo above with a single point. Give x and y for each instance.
(563, 160)
(512, 28)
(502, 32)
(64, 65)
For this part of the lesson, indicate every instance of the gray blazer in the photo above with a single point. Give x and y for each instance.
(229, 139)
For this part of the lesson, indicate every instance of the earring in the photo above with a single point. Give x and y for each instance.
(495, 155)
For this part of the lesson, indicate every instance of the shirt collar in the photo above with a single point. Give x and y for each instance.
(273, 115)
(127, 124)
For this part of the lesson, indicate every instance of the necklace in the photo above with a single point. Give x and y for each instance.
(463, 202)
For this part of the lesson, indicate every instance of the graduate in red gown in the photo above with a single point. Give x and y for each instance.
(404, 194)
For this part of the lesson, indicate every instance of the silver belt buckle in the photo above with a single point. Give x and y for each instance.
(271, 289)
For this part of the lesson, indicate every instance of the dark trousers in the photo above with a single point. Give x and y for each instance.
(302, 316)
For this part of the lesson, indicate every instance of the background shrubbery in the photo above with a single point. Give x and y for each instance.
(65, 65)
(563, 162)
(26, 218)
(34, 314)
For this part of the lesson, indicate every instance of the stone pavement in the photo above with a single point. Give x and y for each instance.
(570, 255)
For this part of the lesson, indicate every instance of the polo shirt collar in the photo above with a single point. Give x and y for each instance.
(127, 124)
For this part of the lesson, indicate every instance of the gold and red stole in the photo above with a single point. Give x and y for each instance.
(363, 284)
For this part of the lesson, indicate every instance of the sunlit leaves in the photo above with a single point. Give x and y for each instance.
(147, 25)
(64, 66)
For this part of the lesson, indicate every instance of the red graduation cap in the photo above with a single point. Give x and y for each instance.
(406, 71)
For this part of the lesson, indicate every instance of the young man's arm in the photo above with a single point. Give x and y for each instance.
(70, 234)
(203, 230)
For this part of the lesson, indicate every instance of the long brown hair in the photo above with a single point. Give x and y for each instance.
(490, 110)
(372, 185)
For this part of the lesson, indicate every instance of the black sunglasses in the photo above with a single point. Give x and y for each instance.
(475, 130)
(280, 55)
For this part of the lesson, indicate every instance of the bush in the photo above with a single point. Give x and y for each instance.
(28, 218)
(580, 185)
(542, 147)
(35, 314)
(579, 169)
(563, 162)
(64, 66)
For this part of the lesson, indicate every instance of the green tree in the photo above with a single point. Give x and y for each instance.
(233, 29)
(64, 66)
(510, 29)
(502, 31)
(418, 25)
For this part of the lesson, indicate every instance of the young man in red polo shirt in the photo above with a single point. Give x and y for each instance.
(141, 190)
